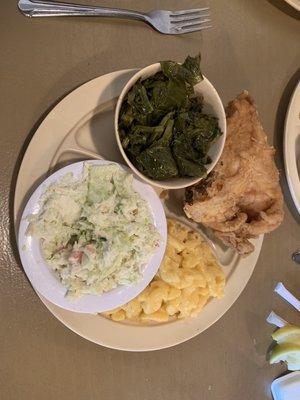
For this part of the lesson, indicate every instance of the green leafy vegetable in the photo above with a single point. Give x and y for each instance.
(157, 163)
(188, 72)
(162, 127)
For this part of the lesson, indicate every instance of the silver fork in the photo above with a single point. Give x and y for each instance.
(167, 22)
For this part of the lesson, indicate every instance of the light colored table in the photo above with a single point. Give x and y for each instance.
(256, 46)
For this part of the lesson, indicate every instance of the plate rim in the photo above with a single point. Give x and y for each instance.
(294, 3)
(245, 273)
(295, 193)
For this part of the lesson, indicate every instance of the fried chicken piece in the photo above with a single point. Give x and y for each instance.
(241, 198)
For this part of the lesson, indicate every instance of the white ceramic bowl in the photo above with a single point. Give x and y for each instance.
(47, 283)
(212, 105)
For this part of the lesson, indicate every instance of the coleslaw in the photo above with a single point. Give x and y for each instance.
(96, 233)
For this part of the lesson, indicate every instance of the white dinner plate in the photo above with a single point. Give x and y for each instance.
(81, 126)
(42, 276)
(292, 146)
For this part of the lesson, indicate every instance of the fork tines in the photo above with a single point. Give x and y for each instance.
(190, 20)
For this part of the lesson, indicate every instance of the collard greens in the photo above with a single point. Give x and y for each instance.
(162, 127)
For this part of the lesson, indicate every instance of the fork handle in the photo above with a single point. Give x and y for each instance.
(54, 9)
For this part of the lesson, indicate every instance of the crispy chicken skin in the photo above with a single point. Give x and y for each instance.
(241, 198)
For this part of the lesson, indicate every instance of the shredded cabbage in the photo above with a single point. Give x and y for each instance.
(97, 232)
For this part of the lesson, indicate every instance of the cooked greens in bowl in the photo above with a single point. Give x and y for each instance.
(162, 126)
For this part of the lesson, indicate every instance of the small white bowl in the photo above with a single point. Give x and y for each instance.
(212, 105)
(47, 283)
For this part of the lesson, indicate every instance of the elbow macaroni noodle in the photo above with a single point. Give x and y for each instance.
(188, 276)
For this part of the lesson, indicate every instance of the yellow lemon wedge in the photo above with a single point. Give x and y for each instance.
(288, 352)
(287, 334)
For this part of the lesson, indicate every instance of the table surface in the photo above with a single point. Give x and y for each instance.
(254, 45)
